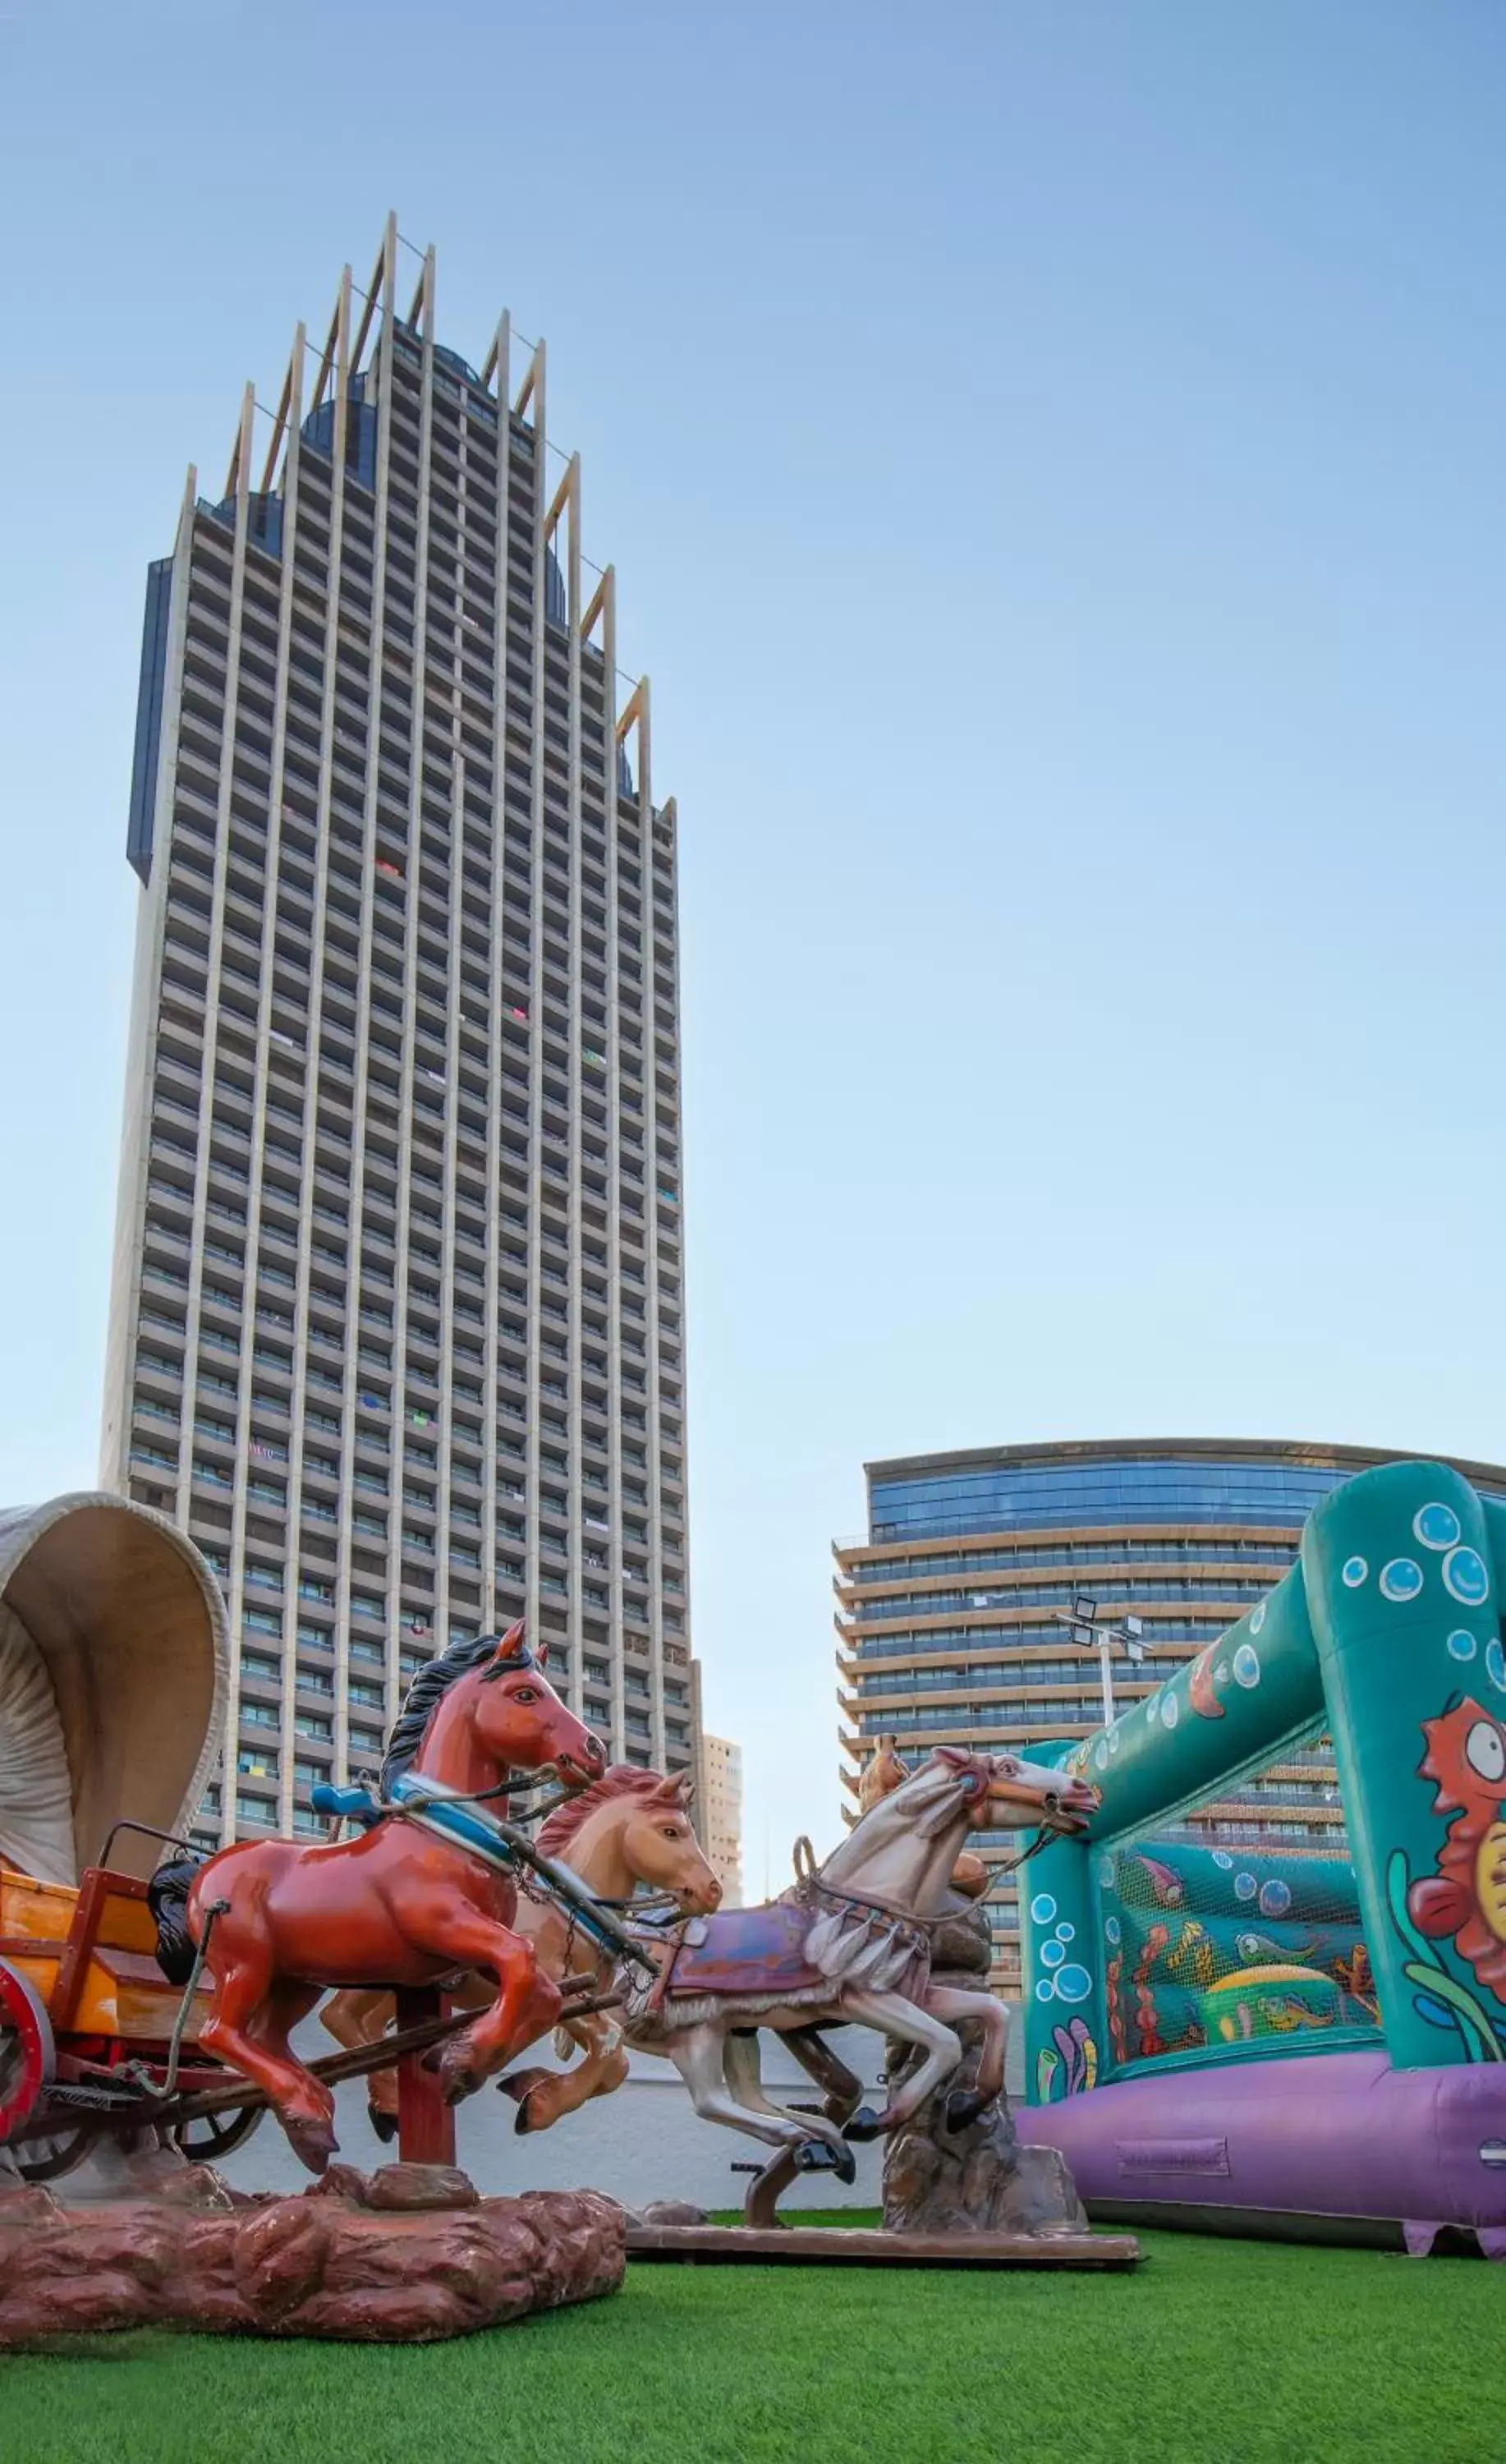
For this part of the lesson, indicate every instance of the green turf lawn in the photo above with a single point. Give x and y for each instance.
(1236, 2352)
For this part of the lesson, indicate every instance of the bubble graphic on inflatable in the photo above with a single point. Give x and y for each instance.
(1052, 1954)
(1437, 1526)
(1113, 1930)
(1101, 1757)
(1113, 1741)
(1169, 1713)
(1495, 1664)
(1042, 1907)
(1355, 1571)
(1223, 1860)
(1074, 1983)
(1066, 1933)
(1402, 1579)
(1221, 1672)
(1045, 1989)
(1462, 1644)
(1105, 1875)
(1247, 1666)
(1465, 1575)
(1257, 1617)
(1275, 1898)
(1245, 1886)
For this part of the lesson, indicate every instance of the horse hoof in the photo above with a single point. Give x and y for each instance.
(457, 2077)
(814, 2156)
(519, 2084)
(382, 2123)
(314, 2143)
(862, 2124)
(964, 2106)
(820, 2156)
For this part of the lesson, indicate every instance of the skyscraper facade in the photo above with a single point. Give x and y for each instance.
(396, 1324)
(719, 1812)
(954, 1619)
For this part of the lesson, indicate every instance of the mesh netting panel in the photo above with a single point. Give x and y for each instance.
(1238, 1922)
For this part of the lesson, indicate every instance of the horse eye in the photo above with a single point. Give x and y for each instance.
(525, 1694)
(670, 1830)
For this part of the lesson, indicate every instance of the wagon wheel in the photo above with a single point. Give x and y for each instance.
(27, 2059)
(47, 2157)
(210, 2136)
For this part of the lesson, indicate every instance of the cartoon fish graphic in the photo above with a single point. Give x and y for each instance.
(1283, 2013)
(1261, 1950)
(1167, 1884)
(1200, 1691)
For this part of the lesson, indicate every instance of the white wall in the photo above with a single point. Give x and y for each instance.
(644, 2143)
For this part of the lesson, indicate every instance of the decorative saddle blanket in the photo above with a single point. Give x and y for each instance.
(798, 1949)
(745, 1950)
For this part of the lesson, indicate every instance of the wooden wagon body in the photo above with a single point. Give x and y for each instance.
(114, 1664)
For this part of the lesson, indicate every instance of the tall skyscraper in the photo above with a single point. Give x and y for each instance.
(396, 1311)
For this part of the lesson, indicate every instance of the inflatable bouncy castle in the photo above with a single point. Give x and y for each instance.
(1297, 2044)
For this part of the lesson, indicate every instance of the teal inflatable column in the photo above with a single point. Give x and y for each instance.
(1404, 1597)
(1061, 1964)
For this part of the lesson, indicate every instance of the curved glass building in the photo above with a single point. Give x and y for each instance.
(951, 1613)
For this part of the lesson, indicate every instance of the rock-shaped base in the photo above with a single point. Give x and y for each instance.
(410, 2255)
(978, 2179)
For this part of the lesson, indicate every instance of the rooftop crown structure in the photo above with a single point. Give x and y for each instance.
(396, 1322)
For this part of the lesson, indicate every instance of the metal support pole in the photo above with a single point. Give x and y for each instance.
(425, 2122)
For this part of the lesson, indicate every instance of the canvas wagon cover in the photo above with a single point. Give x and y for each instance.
(113, 1680)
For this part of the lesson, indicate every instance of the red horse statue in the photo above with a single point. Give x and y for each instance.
(397, 1904)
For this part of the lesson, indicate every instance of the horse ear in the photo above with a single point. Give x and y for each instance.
(511, 1645)
(677, 1792)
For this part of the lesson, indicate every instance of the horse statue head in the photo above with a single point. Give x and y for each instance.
(631, 1827)
(905, 1846)
(483, 1708)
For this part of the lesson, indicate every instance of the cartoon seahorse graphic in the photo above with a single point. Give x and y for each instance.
(1115, 2006)
(1192, 1959)
(1148, 2018)
(1466, 1899)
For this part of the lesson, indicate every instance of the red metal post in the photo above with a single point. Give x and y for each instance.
(425, 2122)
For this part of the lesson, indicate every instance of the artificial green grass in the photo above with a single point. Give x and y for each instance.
(1233, 2352)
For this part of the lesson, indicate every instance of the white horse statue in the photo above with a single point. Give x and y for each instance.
(850, 1942)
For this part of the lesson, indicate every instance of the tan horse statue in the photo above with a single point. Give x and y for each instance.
(629, 1831)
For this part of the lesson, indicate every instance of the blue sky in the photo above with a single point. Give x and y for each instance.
(1052, 459)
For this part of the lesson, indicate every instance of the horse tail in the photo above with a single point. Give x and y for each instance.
(167, 1897)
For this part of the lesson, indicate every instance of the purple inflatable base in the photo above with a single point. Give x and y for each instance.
(1337, 2146)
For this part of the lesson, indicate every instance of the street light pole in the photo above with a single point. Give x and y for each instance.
(1090, 1629)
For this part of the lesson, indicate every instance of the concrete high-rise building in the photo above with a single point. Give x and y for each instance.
(950, 1612)
(397, 1313)
(719, 1812)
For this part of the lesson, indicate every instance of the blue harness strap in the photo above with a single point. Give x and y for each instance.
(350, 1804)
(462, 1824)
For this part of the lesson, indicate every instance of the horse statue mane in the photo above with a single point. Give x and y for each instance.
(619, 1780)
(446, 1669)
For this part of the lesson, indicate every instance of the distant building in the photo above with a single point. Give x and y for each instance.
(719, 1814)
(949, 1614)
(397, 1318)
